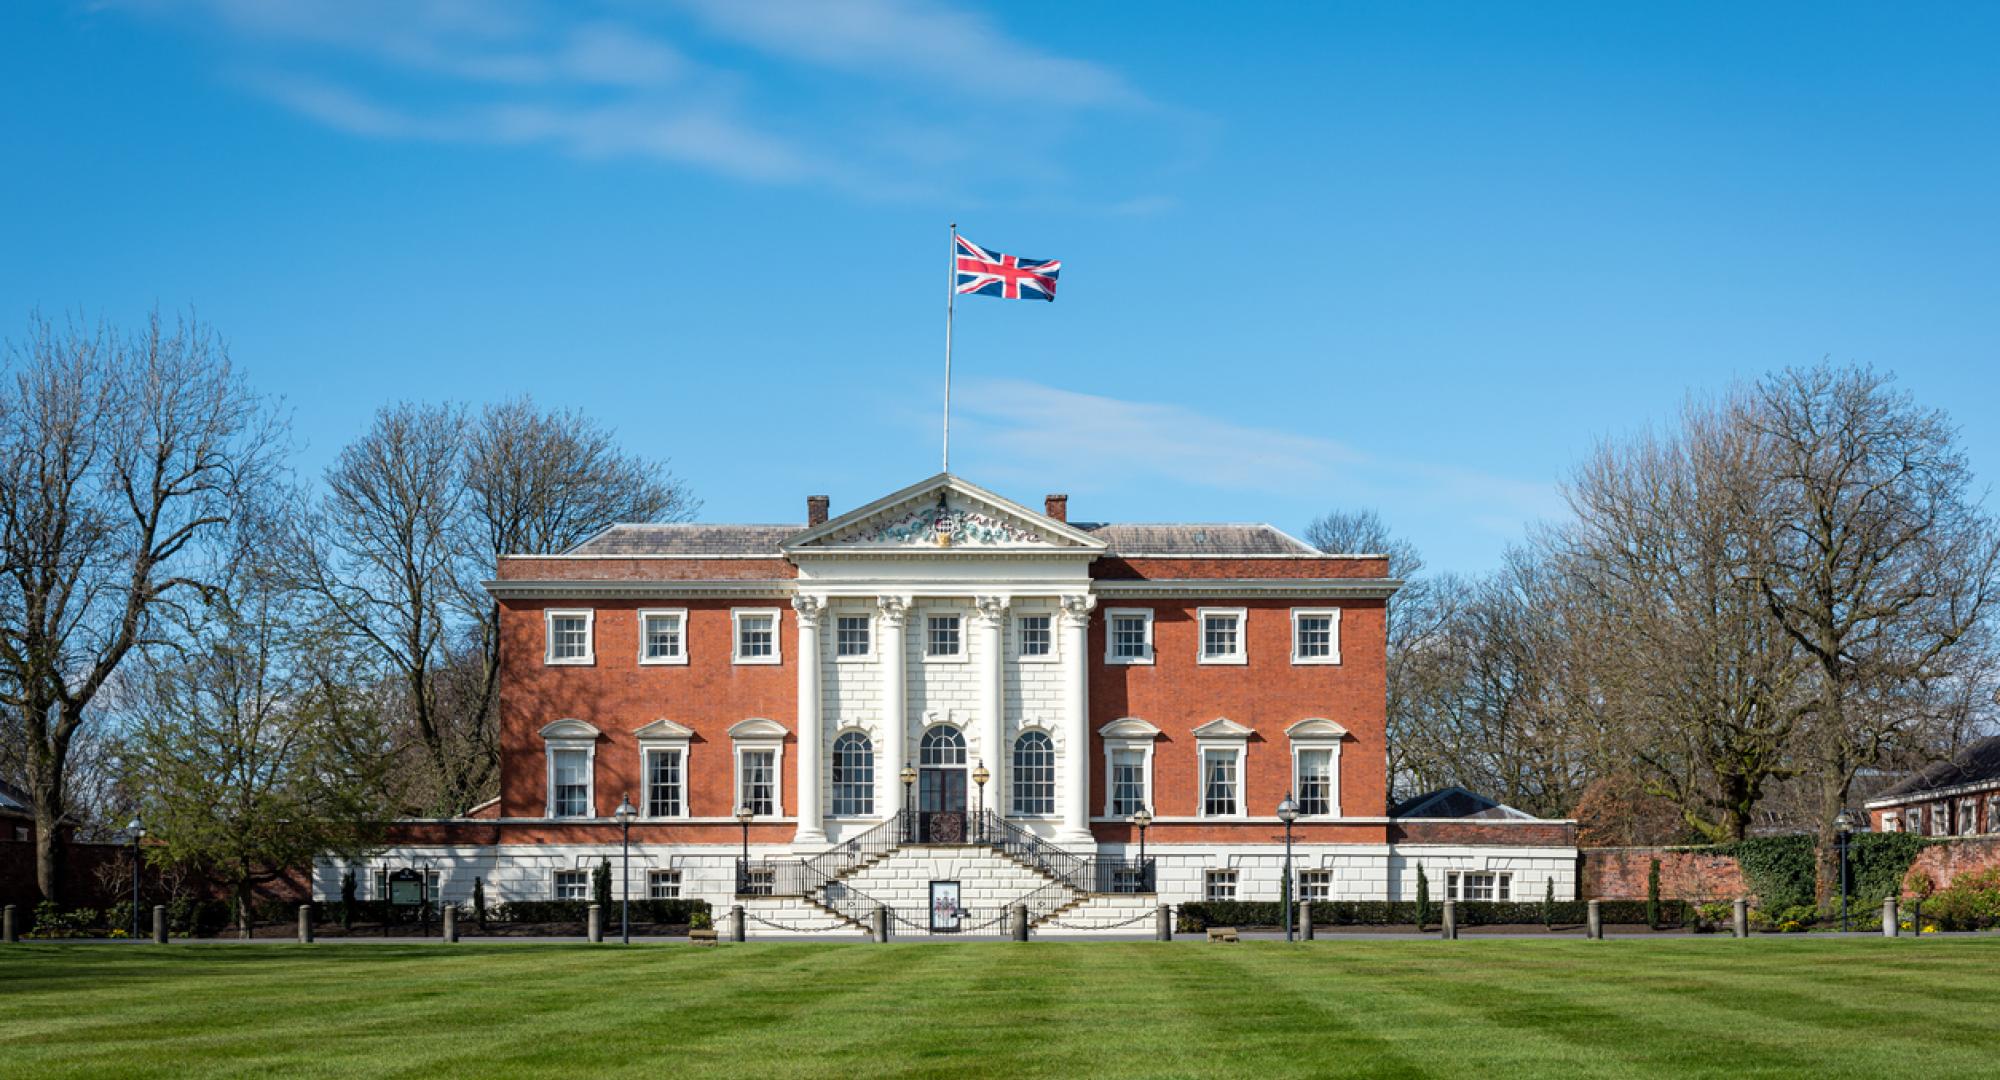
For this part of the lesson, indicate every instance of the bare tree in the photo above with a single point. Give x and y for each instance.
(1699, 686)
(120, 461)
(415, 513)
(1876, 560)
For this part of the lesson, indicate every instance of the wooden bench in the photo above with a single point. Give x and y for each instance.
(1222, 933)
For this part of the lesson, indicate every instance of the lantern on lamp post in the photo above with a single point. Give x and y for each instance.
(979, 778)
(625, 813)
(909, 775)
(1142, 819)
(1844, 825)
(1288, 812)
(138, 831)
(744, 815)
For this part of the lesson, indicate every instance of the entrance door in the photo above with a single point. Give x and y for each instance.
(941, 805)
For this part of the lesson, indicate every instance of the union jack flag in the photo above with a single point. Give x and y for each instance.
(984, 273)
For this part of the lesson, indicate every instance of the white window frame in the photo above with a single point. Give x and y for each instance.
(1992, 813)
(1127, 733)
(670, 878)
(1215, 875)
(1035, 658)
(1456, 886)
(1941, 818)
(1318, 734)
(964, 653)
(1014, 776)
(646, 755)
(1913, 819)
(736, 616)
(569, 734)
(1111, 617)
(1222, 736)
(646, 615)
(1324, 888)
(871, 790)
(556, 885)
(868, 622)
(1332, 615)
(758, 734)
(549, 617)
(1968, 815)
(1242, 653)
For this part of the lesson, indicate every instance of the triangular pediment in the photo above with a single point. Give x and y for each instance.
(941, 514)
(663, 730)
(1223, 728)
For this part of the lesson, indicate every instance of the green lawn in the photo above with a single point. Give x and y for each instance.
(1693, 1007)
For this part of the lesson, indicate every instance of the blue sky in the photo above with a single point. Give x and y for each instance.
(1408, 257)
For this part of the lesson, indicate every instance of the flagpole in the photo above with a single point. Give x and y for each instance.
(950, 294)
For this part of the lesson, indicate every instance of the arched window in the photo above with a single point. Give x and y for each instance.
(853, 776)
(1034, 774)
(942, 745)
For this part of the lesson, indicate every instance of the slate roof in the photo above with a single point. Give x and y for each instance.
(686, 540)
(1456, 802)
(1976, 763)
(1165, 539)
(12, 799)
(1194, 539)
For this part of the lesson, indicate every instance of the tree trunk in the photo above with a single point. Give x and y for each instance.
(45, 790)
(1826, 877)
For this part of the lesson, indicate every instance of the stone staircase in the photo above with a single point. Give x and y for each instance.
(998, 866)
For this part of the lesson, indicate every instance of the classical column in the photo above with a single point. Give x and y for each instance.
(812, 828)
(991, 620)
(894, 611)
(1076, 721)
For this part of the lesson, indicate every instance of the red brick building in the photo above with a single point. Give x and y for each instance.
(1960, 797)
(946, 686)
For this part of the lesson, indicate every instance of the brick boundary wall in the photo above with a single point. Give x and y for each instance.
(1620, 874)
(1958, 855)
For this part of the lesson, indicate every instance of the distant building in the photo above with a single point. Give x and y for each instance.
(946, 690)
(1960, 797)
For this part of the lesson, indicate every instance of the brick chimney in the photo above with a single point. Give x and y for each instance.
(1057, 507)
(815, 510)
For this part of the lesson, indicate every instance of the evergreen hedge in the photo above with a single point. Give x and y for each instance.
(1196, 917)
(1781, 870)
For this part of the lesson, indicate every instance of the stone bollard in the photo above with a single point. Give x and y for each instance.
(1163, 925)
(305, 924)
(159, 924)
(736, 922)
(1890, 927)
(880, 924)
(1018, 918)
(1449, 931)
(451, 924)
(1741, 921)
(1305, 922)
(7, 932)
(595, 925)
(1593, 927)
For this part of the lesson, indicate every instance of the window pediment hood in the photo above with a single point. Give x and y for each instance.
(570, 729)
(1315, 728)
(943, 514)
(757, 729)
(663, 730)
(1223, 728)
(1129, 727)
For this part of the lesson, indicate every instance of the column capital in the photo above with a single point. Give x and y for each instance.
(893, 609)
(990, 609)
(1076, 609)
(809, 609)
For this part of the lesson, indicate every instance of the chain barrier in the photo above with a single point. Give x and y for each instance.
(1148, 916)
(792, 929)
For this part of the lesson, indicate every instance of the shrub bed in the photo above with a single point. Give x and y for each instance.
(1196, 917)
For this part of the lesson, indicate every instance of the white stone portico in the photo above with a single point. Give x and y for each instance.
(945, 550)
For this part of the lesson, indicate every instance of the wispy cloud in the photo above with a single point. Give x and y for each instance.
(664, 81)
(1100, 442)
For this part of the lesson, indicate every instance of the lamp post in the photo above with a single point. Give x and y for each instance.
(743, 816)
(979, 778)
(625, 813)
(1142, 819)
(138, 831)
(1844, 824)
(909, 775)
(1288, 812)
